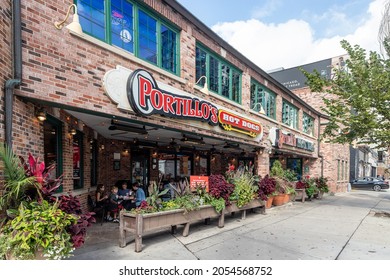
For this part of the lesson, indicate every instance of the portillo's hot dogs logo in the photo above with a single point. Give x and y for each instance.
(147, 99)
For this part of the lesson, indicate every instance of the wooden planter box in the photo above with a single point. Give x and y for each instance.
(300, 195)
(138, 224)
(256, 203)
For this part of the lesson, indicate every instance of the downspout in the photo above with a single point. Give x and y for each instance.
(319, 146)
(17, 68)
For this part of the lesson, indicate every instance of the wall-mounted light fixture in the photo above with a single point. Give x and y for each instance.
(261, 109)
(205, 88)
(74, 25)
(41, 115)
(73, 131)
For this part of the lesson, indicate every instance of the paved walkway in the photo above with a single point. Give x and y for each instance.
(348, 226)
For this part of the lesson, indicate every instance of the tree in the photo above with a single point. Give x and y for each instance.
(360, 109)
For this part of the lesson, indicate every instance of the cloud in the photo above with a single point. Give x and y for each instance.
(267, 9)
(293, 43)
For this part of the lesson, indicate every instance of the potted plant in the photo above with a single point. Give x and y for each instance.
(39, 231)
(27, 187)
(245, 188)
(322, 186)
(267, 186)
(311, 187)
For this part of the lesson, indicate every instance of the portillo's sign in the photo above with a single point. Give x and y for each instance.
(146, 98)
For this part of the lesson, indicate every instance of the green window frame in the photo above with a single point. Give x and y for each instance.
(222, 78)
(307, 124)
(78, 160)
(134, 28)
(338, 170)
(261, 96)
(290, 115)
(52, 138)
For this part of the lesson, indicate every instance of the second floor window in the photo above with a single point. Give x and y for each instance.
(124, 24)
(307, 124)
(262, 97)
(290, 115)
(222, 77)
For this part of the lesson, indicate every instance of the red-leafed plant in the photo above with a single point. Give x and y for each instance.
(220, 188)
(267, 186)
(300, 185)
(47, 186)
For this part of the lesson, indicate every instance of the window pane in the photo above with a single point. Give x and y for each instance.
(214, 74)
(91, 15)
(122, 30)
(168, 49)
(147, 37)
(225, 80)
(200, 65)
(236, 86)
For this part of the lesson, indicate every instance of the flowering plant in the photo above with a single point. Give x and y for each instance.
(267, 186)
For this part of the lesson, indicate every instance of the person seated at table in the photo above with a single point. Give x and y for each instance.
(126, 196)
(113, 205)
(101, 196)
(139, 194)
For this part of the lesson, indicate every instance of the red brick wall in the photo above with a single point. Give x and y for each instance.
(331, 152)
(66, 69)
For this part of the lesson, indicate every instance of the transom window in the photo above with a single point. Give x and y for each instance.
(222, 77)
(290, 115)
(307, 124)
(262, 97)
(124, 24)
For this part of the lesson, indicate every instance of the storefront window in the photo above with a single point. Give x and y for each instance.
(222, 77)
(308, 124)
(127, 25)
(295, 164)
(174, 166)
(78, 162)
(94, 163)
(52, 138)
(263, 97)
(290, 115)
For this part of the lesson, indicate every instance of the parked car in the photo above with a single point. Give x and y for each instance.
(371, 183)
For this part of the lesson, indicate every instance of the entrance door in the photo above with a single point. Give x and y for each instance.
(140, 168)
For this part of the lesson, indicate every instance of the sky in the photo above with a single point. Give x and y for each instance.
(286, 33)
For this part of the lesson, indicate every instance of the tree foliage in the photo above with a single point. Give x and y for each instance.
(360, 111)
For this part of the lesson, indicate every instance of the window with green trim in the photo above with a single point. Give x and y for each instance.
(262, 97)
(290, 115)
(52, 138)
(129, 26)
(222, 77)
(307, 124)
(78, 160)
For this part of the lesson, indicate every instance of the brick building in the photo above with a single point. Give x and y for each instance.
(145, 90)
(336, 157)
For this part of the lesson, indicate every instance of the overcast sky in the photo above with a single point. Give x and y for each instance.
(288, 33)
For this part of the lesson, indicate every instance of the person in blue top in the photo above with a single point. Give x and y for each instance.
(139, 194)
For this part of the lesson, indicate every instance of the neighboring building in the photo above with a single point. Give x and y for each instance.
(336, 157)
(127, 98)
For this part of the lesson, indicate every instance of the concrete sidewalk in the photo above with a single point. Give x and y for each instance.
(351, 226)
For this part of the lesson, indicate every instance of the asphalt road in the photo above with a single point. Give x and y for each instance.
(347, 226)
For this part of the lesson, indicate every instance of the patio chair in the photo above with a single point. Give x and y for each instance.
(101, 209)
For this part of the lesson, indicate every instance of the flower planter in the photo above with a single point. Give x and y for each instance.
(300, 195)
(278, 200)
(269, 201)
(286, 198)
(256, 203)
(138, 224)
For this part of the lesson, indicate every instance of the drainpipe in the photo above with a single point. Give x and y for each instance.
(319, 146)
(17, 68)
